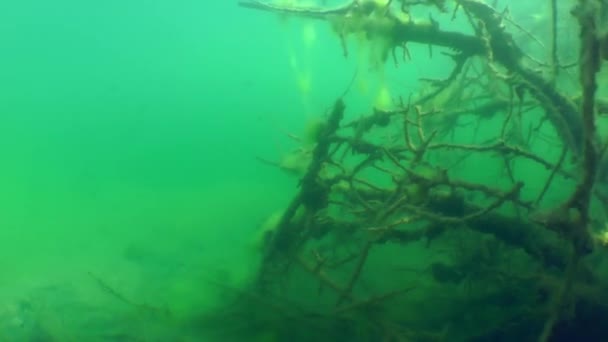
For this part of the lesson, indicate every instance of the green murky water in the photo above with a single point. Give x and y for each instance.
(137, 144)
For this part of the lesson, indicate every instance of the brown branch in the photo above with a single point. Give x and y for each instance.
(312, 195)
(574, 225)
(373, 300)
(554, 57)
(310, 12)
(499, 147)
(444, 219)
(555, 170)
(324, 278)
(346, 294)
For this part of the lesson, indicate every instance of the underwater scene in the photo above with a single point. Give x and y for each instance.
(304, 170)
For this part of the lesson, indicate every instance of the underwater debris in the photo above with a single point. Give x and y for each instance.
(367, 207)
(145, 308)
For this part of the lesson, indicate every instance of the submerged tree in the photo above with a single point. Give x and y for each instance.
(405, 239)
